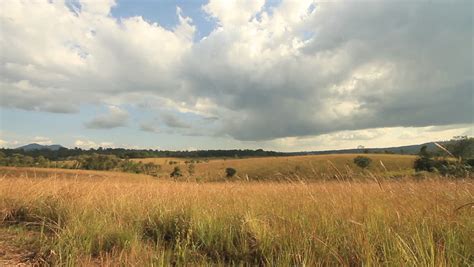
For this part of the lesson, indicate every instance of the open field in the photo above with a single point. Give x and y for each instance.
(314, 167)
(34, 173)
(148, 222)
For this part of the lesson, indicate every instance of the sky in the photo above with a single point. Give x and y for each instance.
(280, 75)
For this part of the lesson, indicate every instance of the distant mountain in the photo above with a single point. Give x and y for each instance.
(31, 147)
(411, 149)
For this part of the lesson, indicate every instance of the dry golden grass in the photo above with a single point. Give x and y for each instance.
(33, 173)
(147, 222)
(282, 168)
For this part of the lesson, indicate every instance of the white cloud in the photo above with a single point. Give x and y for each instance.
(3, 143)
(99, 7)
(366, 66)
(370, 138)
(88, 144)
(52, 57)
(298, 68)
(233, 12)
(41, 140)
(9, 143)
(116, 117)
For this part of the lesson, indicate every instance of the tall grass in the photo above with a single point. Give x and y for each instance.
(155, 223)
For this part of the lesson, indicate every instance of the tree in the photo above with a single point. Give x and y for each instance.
(461, 146)
(230, 172)
(424, 152)
(362, 162)
(42, 161)
(98, 162)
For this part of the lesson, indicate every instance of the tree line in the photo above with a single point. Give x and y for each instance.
(123, 153)
(86, 162)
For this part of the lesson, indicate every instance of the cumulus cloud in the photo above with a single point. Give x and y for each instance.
(116, 117)
(3, 143)
(233, 13)
(52, 55)
(9, 143)
(370, 64)
(88, 144)
(24, 95)
(41, 140)
(297, 68)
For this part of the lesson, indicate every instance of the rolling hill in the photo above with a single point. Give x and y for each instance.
(34, 146)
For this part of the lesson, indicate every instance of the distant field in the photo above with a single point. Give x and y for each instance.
(309, 168)
(280, 168)
(32, 173)
(114, 221)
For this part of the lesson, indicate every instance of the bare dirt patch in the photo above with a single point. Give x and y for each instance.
(15, 250)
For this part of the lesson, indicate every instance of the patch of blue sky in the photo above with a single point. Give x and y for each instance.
(163, 12)
(24, 124)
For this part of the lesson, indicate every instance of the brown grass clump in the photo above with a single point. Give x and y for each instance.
(147, 222)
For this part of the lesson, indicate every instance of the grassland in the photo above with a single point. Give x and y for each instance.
(103, 218)
(314, 167)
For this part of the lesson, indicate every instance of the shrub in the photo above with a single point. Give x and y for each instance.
(176, 172)
(130, 166)
(151, 169)
(230, 172)
(469, 162)
(191, 169)
(455, 169)
(98, 162)
(424, 164)
(362, 162)
(443, 166)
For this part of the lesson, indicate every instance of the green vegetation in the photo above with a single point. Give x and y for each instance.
(191, 169)
(20, 160)
(459, 165)
(176, 172)
(462, 147)
(65, 153)
(85, 162)
(230, 172)
(362, 162)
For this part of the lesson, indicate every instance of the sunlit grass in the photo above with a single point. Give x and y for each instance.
(146, 222)
(313, 167)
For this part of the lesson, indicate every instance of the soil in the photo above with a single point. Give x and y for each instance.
(12, 253)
